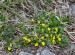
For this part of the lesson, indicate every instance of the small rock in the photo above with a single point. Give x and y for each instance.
(47, 52)
(14, 47)
(24, 53)
(2, 1)
(32, 51)
(72, 46)
(37, 53)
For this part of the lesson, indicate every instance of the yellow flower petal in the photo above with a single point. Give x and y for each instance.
(43, 25)
(56, 29)
(36, 44)
(43, 43)
(59, 39)
(48, 29)
(29, 40)
(53, 41)
(42, 37)
(9, 48)
(25, 38)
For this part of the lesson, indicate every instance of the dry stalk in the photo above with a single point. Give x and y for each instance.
(71, 37)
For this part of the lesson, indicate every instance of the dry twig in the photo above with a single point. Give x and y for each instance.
(71, 37)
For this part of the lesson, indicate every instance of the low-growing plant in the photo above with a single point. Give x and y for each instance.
(47, 29)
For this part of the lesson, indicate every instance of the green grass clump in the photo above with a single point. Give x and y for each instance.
(46, 29)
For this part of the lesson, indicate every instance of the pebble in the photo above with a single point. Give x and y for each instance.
(24, 53)
(47, 52)
(72, 46)
(37, 53)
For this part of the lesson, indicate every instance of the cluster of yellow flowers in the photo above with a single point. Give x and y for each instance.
(47, 32)
(26, 39)
(59, 38)
(35, 44)
(53, 40)
(56, 39)
(42, 43)
(56, 30)
(50, 34)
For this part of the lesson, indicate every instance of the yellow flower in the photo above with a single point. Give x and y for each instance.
(29, 40)
(32, 20)
(42, 37)
(36, 44)
(43, 43)
(48, 29)
(10, 44)
(25, 38)
(47, 35)
(59, 39)
(43, 25)
(56, 29)
(53, 41)
(38, 22)
(53, 37)
(9, 48)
